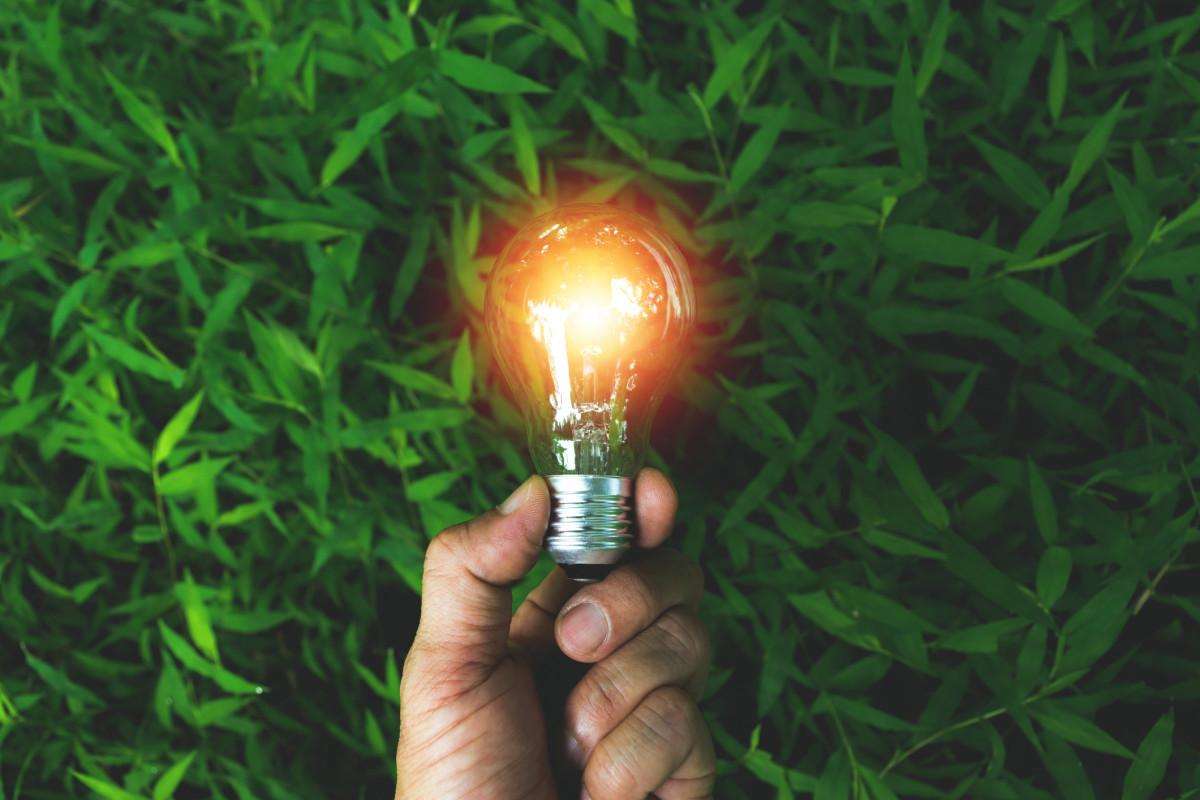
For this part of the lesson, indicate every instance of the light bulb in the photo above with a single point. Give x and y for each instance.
(587, 309)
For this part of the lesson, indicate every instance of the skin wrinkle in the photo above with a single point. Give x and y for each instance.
(691, 644)
(667, 717)
(494, 776)
(460, 723)
(459, 720)
(673, 715)
(604, 697)
(474, 723)
(437, 683)
(594, 706)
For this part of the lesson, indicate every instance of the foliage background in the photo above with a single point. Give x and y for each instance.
(938, 440)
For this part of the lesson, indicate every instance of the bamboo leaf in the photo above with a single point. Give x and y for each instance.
(473, 72)
(145, 117)
(177, 428)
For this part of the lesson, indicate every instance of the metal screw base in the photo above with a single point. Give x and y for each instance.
(589, 523)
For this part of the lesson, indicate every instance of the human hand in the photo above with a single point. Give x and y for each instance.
(479, 683)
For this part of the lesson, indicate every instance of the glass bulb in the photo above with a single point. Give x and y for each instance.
(587, 308)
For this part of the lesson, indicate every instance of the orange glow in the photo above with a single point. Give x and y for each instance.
(586, 307)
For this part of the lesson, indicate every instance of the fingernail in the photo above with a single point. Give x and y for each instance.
(584, 628)
(515, 500)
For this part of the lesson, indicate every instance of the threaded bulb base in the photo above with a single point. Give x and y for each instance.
(590, 523)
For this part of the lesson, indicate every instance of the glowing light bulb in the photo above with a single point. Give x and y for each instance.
(587, 308)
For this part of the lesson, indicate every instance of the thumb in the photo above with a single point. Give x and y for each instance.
(466, 595)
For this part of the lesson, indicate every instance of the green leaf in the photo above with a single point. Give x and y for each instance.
(1133, 205)
(168, 782)
(1181, 263)
(898, 545)
(908, 127)
(432, 486)
(562, 35)
(1092, 630)
(1055, 258)
(1092, 147)
(414, 379)
(351, 144)
(1066, 768)
(958, 398)
(105, 789)
(296, 351)
(820, 214)
(73, 155)
(462, 368)
(675, 171)
(298, 231)
(134, 359)
(1149, 766)
(613, 18)
(1030, 300)
(756, 491)
(978, 572)
(1107, 361)
(732, 63)
(1078, 730)
(145, 117)
(145, 254)
(69, 302)
(981, 638)
(821, 611)
(1189, 214)
(228, 681)
(1053, 573)
(22, 385)
(1044, 512)
(609, 126)
(1056, 88)
(196, 615)
(757, 150)
(912, 480)
(193, 477)
(177, 428)
(20, 417)
(1024, 181)
(420, 233)
(1017, 62)
(1044, 226)
(222, 310)
(524, 148)
(935, 48)
(476, 73)
(940, 247)
(865, 604)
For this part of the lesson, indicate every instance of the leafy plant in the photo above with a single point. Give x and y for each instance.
(937, 442)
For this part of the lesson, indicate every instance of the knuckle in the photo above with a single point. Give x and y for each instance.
(669, 715)
(610, 774)
(635, 594)
(684, 636)
(442, 550)
(601, 697)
